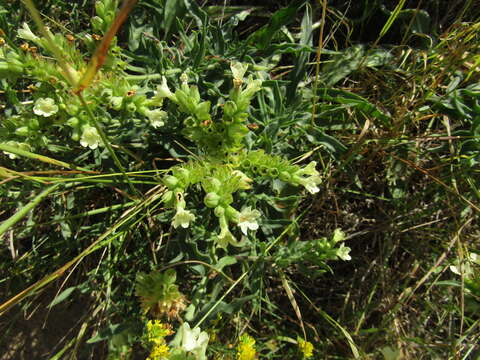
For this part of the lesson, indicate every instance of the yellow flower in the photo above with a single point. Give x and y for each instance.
(246, 348)
(305, 347)
(157, 331)
(159, 352)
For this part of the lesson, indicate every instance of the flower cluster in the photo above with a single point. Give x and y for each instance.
(159, 295)
(219, 183)
(155, 336)
(305, 347)
(116, 92)
(215, 136)
(261, 164)
(221, 180)
(315, 252)
(246, 348)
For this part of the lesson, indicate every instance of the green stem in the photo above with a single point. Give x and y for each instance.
(106, 142)
(143, 77)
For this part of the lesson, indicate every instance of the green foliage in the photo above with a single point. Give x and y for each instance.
(158, 293)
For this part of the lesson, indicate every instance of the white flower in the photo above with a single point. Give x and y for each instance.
(252, 86)
(309, 169)
(338, 235)
(156, 117)
(310, 183)
(238, 69)
(248, 219)
(225, 237)
(191, 340)
(163, 91)
(343, 252)
(182, 218)
(45, 107)
(27, 34)
(244, 180)
(90, 138)
(184, 78)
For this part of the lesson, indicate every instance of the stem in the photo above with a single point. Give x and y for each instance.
(106, 142)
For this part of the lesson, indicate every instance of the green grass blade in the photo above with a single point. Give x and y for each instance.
(42, 158)
(101, 241)
(393, 16)
(19, 215)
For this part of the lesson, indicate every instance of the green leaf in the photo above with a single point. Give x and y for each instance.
(301, 60)
(62, 296)
(352, 59)
(353, 100)
(262, 37)
(172, 10)
(225, 261)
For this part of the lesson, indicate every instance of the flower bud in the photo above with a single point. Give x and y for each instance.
(116, 102)
(72, 109)
(100, 8)
(219, 211)
(131, 107)
(182, 173)
(245, 181)
(170, 181)
(22, 131)
(97, 23)
(73, 122)
(167, 198)
(285, 176)
(75, 135)
(184, 78)
(238, 69)
(27, 34)
(163, 90)
(212, 200)
(229, 109)
(33, 124)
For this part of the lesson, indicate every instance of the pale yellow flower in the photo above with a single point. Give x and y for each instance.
(45, 107)
(90, 138)
(238, 69)
(156, 117)
(27, 34)
(247, 219)
(182, 218)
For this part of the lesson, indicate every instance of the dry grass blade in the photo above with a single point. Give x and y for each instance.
(106, 237)
(100, 55)
(292, 300)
